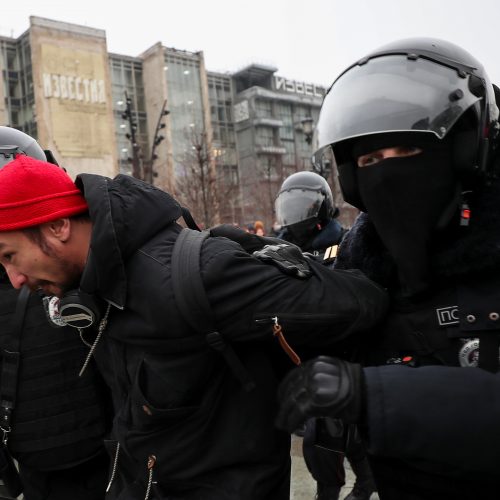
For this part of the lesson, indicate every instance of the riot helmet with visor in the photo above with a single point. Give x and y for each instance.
(304, 206)
(433, 99)
(414, 86)
(304, 196)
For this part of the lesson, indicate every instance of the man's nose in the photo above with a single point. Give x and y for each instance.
(16, 278)
(390, 153)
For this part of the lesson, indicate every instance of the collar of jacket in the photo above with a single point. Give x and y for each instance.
(472, 250)
(125, 214)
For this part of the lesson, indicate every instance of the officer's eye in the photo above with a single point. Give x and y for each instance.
(370, 159)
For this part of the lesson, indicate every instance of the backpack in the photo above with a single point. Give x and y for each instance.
(192, 301)
(191, 298)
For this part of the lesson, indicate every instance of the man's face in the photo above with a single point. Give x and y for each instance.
(42, 265)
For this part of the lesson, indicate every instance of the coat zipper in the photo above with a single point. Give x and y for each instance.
(278, 333)
(102, 327)
(113, 470)
(150, 465)
(268, 318)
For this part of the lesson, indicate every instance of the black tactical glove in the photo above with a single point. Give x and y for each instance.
(321, 387)
(250, 242)
(287, 257)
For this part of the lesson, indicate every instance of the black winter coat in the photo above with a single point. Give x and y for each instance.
(434, 431)
(210, 439)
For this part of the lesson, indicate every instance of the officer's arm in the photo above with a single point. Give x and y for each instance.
(442, 415)
(246, 294)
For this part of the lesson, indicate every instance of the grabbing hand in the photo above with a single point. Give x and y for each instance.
(321, 387)
(249, 242)
(287, 257)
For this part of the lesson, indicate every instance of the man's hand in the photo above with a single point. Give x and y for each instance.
(286, 257)
(321, 387)
(282, 254)
(249, 242)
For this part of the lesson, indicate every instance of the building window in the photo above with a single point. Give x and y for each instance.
(265, 136)
(263, 108)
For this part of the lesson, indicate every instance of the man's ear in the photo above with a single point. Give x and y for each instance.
(59, 229)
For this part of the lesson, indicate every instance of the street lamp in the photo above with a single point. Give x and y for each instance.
(307, 128)
(324, 168)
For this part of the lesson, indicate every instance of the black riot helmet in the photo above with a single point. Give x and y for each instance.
(417, 87)
(13, 142)
(304, 196)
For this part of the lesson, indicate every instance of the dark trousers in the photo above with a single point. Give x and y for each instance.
(326, 466)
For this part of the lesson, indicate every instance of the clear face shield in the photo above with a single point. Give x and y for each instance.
(297, 205)
(391, 94)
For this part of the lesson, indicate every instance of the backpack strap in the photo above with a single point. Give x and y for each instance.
(188, 219)
(192, 301)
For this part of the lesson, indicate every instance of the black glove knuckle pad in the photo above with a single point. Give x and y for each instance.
(286, 257)
(324, 387)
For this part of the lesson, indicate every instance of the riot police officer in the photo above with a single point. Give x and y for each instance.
(306, 210)
(414, 130)
(59, 419)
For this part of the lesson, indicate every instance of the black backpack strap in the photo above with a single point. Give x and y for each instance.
(11, 358)
(188, 219)
(192, 300)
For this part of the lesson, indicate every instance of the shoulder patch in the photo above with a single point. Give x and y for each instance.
(331, 252)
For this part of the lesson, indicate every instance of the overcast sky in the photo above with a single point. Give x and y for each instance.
(307, 40)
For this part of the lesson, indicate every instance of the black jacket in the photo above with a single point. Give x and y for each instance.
(210, 438)
(434, 430)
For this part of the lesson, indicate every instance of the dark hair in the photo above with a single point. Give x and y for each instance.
(34, 233)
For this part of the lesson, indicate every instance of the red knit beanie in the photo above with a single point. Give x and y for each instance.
(33, 192)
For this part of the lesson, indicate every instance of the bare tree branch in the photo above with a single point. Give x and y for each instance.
(196, 181)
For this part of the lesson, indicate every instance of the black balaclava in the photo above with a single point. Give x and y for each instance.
(408, 199)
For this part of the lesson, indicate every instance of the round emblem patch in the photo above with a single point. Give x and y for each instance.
(468, 356)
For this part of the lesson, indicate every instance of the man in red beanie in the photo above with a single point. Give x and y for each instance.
(34, 193)
(185, 427)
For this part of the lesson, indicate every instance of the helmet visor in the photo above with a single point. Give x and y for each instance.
(393, 94)
(297, 205)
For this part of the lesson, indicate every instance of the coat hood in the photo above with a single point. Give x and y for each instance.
(125, 214)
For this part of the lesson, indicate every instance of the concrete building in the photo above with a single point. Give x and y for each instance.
(56, 86)
(269, 111)
(220, 142)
